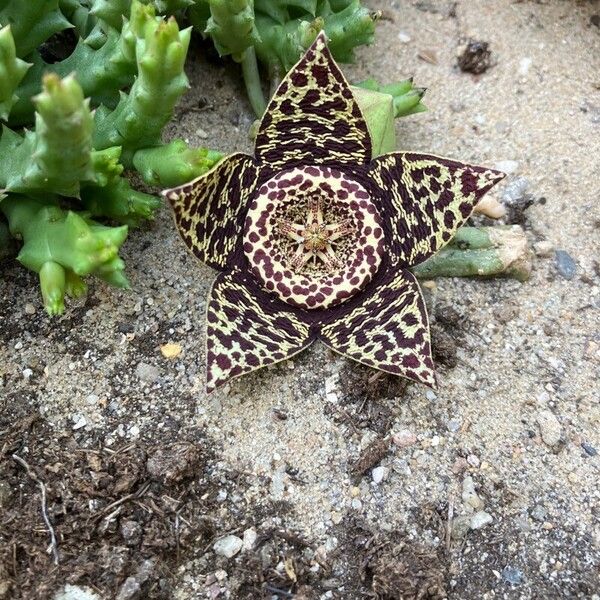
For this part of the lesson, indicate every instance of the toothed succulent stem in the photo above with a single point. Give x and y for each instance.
(174, 163)
(55, 157)
(140, 116)
(481, 252)
(63, 247)
(12, 70)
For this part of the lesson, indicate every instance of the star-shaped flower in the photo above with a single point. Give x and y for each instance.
(314, 238)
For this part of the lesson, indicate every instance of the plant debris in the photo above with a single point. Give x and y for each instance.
(476, 57)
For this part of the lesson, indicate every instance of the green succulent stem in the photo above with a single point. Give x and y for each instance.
(481, 252)
(252, 82)
(175, 163)
(63, 247)
(12, 71)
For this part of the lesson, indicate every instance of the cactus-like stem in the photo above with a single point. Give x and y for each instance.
(32, 22)
(55, 157)
(252, 82)
(63, 247)
(175, 163)
(140, 116)
(12, 70)
(481, 252)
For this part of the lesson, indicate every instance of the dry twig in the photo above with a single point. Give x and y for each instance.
(34, 477)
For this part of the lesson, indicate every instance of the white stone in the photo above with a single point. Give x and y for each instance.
(403, 37)
(250, 537)
(480, 519)
(524, 65)
(228, 546)
(550, 428)
(379, 474)
(76, 592)
(404, 438)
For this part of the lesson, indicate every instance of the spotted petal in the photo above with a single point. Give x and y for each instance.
(313, 117)
(387, 330)
(425, 199)
(247, 329)
(209, 211)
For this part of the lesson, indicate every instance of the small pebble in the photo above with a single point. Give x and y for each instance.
(453, 425)
(147, 373)
(589, 449)
(565, 264)
(539, 513)
(543, 249)
(480, 519)
(512, 575)
(404, 38)
(27, 373)
(524, 65)
(228, 546)
(473, 460)
(460, 527)
(76, 592)
(201, 134)
(79, 421)
(30, 308)
(550, 428)
(404, 438)
(356, 504)
(249, 541)
(515, 190)
(379, 474)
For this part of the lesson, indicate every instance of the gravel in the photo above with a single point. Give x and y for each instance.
(550, 428)
(228, 546)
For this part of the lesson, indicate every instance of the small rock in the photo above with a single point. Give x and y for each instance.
(480, 519)
(250, 537)
(356, 504)
(221, 574)
(515, 191)
(404, 438)
(379, 474)
(29, 309)
(524, 65)
(507, 166)
(460, 527)
(512, 575)
(79, 421)
(589, 449)
(404, 38)
(130, 589)
(228, 546)
(27, 373)
(76, 592)
(469, 495)
(550, 428)
(147, 373)
(473, 460)
(565, 264)
(453, 425)
(543, 249)
(131, 531)
(539, 513)
(201, 133)
(460, 465)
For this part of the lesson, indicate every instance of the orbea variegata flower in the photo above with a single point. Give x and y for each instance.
(314, 238)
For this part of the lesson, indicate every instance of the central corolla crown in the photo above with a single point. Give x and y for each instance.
(313, 236)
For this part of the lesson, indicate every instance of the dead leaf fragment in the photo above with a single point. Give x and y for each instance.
(428, 56)
(170, 350)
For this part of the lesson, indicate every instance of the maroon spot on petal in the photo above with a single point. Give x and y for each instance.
(298, 78)
(223, 362)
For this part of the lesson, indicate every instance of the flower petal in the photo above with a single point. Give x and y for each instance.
(388, 330)
(425, 199)
(247, 329)
(313, 117)
(209, 211)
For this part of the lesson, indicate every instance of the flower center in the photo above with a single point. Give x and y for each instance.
(313, 237)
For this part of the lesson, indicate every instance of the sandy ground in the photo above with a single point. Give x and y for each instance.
(495, 475)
